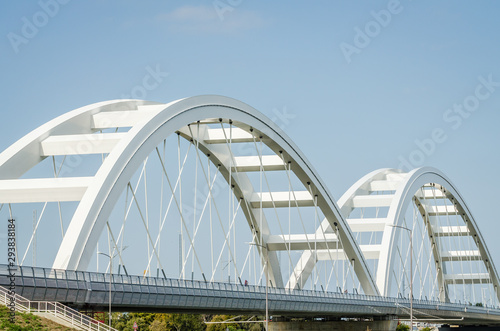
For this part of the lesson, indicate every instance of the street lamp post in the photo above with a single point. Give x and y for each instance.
(267, 294)
(411, 271)
(110, 277)
(266, 266)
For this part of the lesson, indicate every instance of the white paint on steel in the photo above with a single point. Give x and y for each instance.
(300, 242)
(122, 119)
(219, 136)
(367, 224)
(282, 199)
(81, 144)
(254, 163)
(465, 255)
(43, 189)
(150, 123)
(26, 152)
(403, 197)
(361, 188)
(449, 231)
(363, 201)
(371, 252)
(405, 187)
(475, 278)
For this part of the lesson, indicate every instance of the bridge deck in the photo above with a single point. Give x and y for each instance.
(136, 293)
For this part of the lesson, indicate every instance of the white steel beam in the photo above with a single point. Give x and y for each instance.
(384, 185)
(469, 255)
(43, 189)
(450, 231)
(396, 176)
(380, 200)
(154, 108)
(123, 119)
(475, 278)
(430, 194)
(367, 224)
(237, 135)
(370, 252)
(282, 199)
(80, 144)
(441, 210)
(301, 242)
(253, 163)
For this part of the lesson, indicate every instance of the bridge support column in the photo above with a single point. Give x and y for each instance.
(389, 325)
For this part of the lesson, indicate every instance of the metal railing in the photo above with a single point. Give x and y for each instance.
(90, 284)
(22, 304)
(56, 309)
(60, 278)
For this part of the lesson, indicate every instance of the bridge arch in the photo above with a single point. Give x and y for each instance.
(213, 125)
(433, 196)
(149, 124)
(418, 187)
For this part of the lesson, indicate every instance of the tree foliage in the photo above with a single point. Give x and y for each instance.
(181, 322)
(125, 322)
(233, 326)
(402, 327)
(159, 322)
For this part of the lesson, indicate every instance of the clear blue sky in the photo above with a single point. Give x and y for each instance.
(358, 101)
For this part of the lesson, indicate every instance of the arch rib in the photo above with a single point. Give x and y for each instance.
(127, 152)
(405, 187)
(402, 199)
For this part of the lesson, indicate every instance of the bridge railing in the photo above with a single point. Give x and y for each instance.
(21, 304)
(51, 278)
(69, 315)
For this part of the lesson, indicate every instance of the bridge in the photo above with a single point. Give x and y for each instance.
(84, 290)
(211, 204)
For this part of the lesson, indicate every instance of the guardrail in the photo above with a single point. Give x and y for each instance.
(22, 304)
(92, 288)
(56, 309)
(62, 278)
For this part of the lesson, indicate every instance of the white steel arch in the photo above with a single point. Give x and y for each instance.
(407, 193)
(389, 192)
(150, 123)
(398, 191)
(346, 203)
